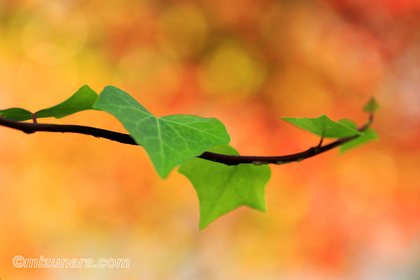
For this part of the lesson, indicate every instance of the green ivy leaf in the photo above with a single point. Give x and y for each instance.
(221, 188)
(324, 127)
(371, 106)
(82, 100)
(348, 123)
(17, 114)
(170, 140)
(369, 134)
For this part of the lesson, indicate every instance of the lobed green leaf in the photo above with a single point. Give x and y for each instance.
(324, 127)
(170, 140)
(17, 114)
(369, 134)
(82, 100)
(348, 123)
(221, 188)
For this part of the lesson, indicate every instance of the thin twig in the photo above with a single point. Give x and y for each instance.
(29, 128)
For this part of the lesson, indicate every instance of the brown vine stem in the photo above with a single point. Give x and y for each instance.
(29, 128)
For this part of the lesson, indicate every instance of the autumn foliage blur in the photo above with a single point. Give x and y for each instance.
(247, 63)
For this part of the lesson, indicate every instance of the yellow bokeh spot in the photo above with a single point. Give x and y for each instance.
(149, 72)
(231, 69)
(53, 35)
(183, 30)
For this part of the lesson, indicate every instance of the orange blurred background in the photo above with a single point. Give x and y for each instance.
(247, 63)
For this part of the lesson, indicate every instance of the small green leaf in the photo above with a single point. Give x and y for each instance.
(369, 134)
(371, 106)
(221, 188)
(170, 140)
(17, 114)
(82, 100)
(324, 127)
(348, 123)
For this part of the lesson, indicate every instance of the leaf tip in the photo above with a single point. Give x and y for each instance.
(202, 226)
(371, 106)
